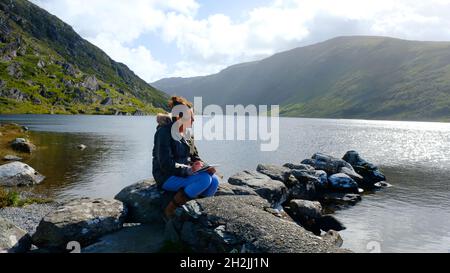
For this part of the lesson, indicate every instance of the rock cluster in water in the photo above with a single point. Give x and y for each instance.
(23, 145)
(275, 209)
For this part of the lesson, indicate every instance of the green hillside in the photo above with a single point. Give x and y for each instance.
(346, 77)
(46, 67)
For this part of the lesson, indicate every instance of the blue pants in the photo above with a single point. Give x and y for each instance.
(199, 185)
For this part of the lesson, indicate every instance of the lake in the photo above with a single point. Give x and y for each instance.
(412, 216)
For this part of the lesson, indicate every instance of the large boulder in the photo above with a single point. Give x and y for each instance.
(19, 174)
(43, 91)
(307, 173)
(14, 94)
(310, 215)
(318, 178)
(23, 145)
(227, 224)
(305, 188)
(275, 172)
(370, 173)
(273, 191)
(304, 210)
(145, 202)
(352, 173)
(15, 70)
(327, 163)
(302, 188)
(82, 220)
(90, 83)
(229, 189)
(107, 101)
(41, 64)
(70, 70)
(323, 178)
(12, 238)
(354, 159)
(130, 239)
(343, 183)
(300, 167)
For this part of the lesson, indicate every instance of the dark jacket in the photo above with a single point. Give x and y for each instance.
(167, 152)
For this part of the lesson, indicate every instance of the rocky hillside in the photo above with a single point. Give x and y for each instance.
(46, 67)
(346, 77)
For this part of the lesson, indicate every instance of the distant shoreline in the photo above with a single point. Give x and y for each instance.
(281, 116)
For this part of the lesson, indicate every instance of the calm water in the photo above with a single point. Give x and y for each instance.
(413, 216)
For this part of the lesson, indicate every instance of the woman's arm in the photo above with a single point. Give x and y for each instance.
(194, 151)
(165, 155)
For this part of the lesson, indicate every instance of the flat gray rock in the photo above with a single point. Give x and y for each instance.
(229, 189)
(343, 183)
(305, 210)
(300, 167)
(145, 202)
(19, 174)
(12, 158)
(275, 172)
(273, 191)
(82, 220)
(239, 223)
(133, 239)
(12, 238)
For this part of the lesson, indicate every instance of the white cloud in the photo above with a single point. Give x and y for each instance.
(115, 24)
(125, 20)
(138, 58)
(193, 69)
(211, 39)
(209, 44)
(218, 41)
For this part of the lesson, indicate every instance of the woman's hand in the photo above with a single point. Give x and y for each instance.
(197, 166)
(212, 171)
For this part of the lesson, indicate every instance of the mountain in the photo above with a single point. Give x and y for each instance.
(346, 77)
(46, 67)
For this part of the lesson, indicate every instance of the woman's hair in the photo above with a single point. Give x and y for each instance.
(176, 100)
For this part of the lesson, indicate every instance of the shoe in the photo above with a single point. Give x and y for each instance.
(178, 200)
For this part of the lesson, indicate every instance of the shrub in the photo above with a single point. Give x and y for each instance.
(13, 199)
(9, 198)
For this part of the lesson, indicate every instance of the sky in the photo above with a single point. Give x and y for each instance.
(185, 38)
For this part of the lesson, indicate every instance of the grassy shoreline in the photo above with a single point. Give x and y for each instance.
(12, 198)
(9, 197)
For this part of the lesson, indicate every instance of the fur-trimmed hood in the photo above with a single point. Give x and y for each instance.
(164, 119)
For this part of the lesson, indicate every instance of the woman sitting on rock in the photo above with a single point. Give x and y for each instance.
(176, 159)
